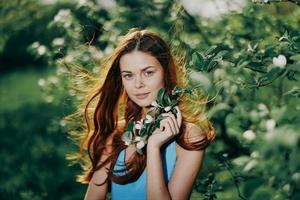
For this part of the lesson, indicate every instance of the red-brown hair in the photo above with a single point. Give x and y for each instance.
(113, 102)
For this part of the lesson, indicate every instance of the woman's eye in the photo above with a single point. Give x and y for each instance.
(149, 73)
(127, 76)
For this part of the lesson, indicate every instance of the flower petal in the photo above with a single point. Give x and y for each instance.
(167, 109)
(140, 144)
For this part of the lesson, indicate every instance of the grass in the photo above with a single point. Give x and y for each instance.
(18, 88)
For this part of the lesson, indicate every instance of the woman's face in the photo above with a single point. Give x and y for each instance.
(142, 77)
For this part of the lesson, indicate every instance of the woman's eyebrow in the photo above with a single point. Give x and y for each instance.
(144, 69)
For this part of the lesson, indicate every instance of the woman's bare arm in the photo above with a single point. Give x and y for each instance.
(186, 170)
(94, 191)
(187, 167)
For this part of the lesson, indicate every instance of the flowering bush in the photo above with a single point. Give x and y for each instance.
(248, 62)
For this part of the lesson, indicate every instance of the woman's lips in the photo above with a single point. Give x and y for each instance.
(142, 95)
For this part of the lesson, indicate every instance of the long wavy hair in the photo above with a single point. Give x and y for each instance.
(111, 105)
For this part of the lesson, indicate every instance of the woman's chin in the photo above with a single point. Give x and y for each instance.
(143, 103)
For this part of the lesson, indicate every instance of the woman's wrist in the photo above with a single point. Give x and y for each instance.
(153, 146)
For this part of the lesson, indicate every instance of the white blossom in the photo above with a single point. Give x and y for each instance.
(138, 126)
(154, 103)
(254, 154)
(140, 144)
(41, 82)
(127, 143)
(69, 58)
(212, 9)
(287, 187)
(167, 109)
(62, 14)
(48, 2)
(107, 4)
(53, 79)
(63, 123)
(263, 110)
(58, 41)
(262, 107)
(249, 135)
(219, 73)
(35, 45)
(250, 165)
(41, 50)
(67, 24)
(149, 119)
(296, 176)
(108, 50)
(270, 124)
(82, 2)
(72, 92)
(61, 70)
(279, 61)
(137, 138)
(49, 99)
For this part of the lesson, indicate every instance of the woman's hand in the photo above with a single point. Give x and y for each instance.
(169, 128)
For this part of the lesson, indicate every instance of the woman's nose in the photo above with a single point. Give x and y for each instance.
(139, 82)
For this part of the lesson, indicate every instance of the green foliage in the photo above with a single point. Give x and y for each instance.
(208, 60)
(33, 155)
(248, 62)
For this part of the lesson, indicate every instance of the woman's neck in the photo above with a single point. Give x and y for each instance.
(145, 111)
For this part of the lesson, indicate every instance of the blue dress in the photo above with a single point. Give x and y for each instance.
(137, 190)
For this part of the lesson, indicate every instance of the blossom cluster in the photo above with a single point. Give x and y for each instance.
(138, 132)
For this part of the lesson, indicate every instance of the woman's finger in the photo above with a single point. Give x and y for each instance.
(174, 121)
(176, 125)
(171, 121)
(166, 126)
(179, 116)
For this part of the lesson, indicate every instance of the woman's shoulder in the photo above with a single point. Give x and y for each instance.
(193, 132)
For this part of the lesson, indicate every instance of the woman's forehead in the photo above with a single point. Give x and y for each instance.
(138, 60)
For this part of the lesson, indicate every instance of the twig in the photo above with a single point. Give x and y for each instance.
(226, 163)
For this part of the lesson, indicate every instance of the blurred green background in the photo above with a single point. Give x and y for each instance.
(245, 55)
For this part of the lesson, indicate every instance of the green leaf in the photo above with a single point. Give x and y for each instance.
(160, 96)
(167, 99)
(197, 59)
(257, 67)
(263, 192)
(148, 128)
(278, 113)
(220, 55)
(251, 185)
(175, 102)
(293, 92)
(210, 49)
(176, 90)
(295, 57)
(208, 60)
(127, 136)
(142, 132)
(130, 126)
(269, 77)
(211, 66)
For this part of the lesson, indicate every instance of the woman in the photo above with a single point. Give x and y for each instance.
(140, 65)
